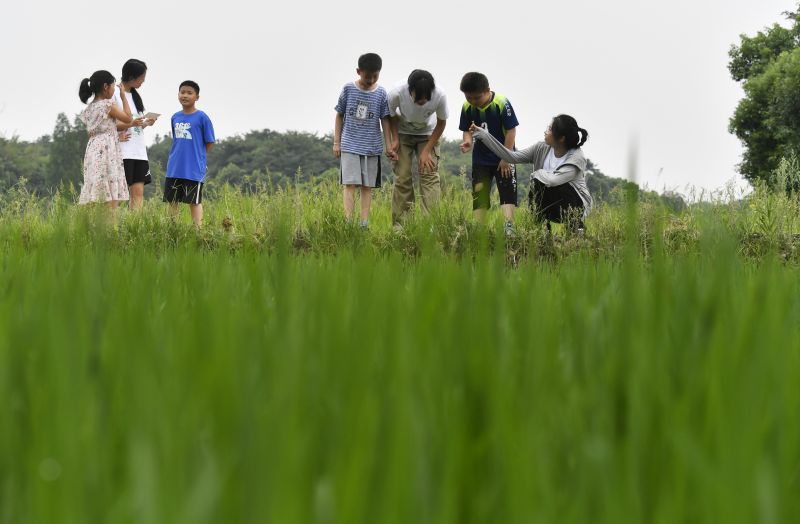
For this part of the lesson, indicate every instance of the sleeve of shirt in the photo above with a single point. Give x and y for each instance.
(116, 98)
(563, 175)
(341, 106)
(442, 112)
(208, 130)
(394, 101)
(509, 117)
(385, 105)
(464, 123)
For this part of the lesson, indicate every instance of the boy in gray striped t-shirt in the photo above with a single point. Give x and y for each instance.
(361, 114)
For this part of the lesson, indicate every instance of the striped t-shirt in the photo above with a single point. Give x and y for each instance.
(363, 111)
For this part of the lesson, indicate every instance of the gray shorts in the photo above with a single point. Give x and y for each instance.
(361, 170)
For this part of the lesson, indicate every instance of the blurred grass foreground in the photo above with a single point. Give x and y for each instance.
(282, 366)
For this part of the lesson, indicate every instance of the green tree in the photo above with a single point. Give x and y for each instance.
(24, 160)
(66, 151)
(766, 120)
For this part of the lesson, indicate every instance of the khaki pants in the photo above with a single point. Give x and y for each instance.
(429, 186)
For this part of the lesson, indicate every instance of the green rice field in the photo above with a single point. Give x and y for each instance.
(282, 366)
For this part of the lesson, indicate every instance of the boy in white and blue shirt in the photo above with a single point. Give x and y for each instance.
(362, 125)
(192, 139)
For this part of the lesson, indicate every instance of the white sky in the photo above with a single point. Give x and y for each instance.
(623, 68)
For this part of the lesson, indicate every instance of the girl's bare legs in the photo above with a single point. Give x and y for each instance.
(111, 215)
(137, 196)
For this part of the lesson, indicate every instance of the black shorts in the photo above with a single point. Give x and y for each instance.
(180, 190)
(483, 176)
(137, 171)
(559, 204)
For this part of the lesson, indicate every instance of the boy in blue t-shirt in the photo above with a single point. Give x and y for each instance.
(192, 139)
(493, 112)
(362, 112)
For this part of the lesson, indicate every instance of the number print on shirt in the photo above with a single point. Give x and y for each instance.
(183, 130)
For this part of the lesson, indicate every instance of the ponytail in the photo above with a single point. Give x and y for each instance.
(131, 70)
(94, 85)
(566, 127)
(137, 101)
(85, 91)
(584, 136)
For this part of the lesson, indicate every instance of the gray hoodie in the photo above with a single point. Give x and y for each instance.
(572, 171)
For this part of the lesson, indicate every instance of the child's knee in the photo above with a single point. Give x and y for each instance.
(480, 196)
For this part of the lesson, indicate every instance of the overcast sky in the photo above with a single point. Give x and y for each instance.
(656, 70)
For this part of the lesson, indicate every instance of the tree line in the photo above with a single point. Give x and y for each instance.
(256, 160)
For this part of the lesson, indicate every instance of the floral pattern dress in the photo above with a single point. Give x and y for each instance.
(103, 170)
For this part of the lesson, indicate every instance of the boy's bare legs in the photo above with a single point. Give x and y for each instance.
(197, 214)
(508, 211)
(480, 200)
(366, 203)
(349, 198)
(137, 196)
(195, 209)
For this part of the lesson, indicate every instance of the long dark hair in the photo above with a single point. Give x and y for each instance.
(94, 84)
(564, 126)
(132, 70)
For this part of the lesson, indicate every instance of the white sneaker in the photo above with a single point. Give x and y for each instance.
(509, 230)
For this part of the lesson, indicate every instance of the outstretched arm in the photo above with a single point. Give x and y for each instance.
(524, 156)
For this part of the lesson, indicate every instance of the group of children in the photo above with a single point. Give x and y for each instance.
(405, 123)
(116, 166)
(410, 121)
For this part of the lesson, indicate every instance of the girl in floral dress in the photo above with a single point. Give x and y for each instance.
(103, 171)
